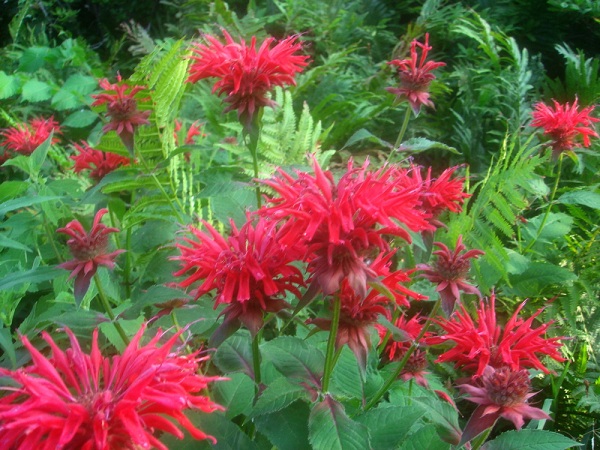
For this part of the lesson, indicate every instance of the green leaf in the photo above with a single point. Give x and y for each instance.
(389, 425)
(329, 428)
(278, 395)
(287, 429)
(34, 58)
(586, 198)
(425, 438)
(235, 355)
(295, 359)
(80, 84)
(419, 144)
(556, 226)
(11, 243)
(365, 135)
(37, 158)
(346, 377)
(8, 346)
(442, 415)
(236, 395)
(538, 277)
(24, 202)
(36, 91)
(35, 275)
(9, 85)
(80, 119)
(12, 189)
(530, 440)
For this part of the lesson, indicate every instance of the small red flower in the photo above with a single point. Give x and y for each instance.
(75, 400)
(122, 109)
(449, 272)
(359, 313)
(25, 138)
(415, 76)
(245, 74)
(90, 250)
(251, 270)
(500, 392)
(565, 124)
(99, 163)
(344, 224)
(193, 131)
(486, 343)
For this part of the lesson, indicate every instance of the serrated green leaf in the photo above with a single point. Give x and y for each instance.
(80, 119)
(530, 440)
(80, 84)
(329, 428)
(278, 395)
(36, 91)
(235, 355)
(442, 415)
(295, 359)
(586, 198)
(389, 425)
(12, 189)
(37, 158)
(33, 58)
(537, 277)
(236, 394)
(346, 378)
(288, 428)
(425, 438)
(556, 226)
(365, 135)
(9, 85)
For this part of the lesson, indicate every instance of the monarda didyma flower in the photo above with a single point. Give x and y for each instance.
(565, 124)
(99, 163)
(246, 75)
(90, 250)
(501, 392)
(25, 138)
(415, 76)
(450, 272)
(122, 109)
(251, 271)
(75, 400)
(484, 342)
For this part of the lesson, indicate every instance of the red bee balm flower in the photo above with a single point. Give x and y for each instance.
(449, 272)
(75, 400)
(251, 270)
(98, 162)
(415, 76)
(25, 138)
(345, 224)
(564, 124)
(89, 251)
(245, 74)
(499, 393)
(485, 343)
(122, 108)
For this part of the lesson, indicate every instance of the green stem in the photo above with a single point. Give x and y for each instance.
(162, 189)
(550, 202)
(330, 356)
(253, 147)
(388, 333)
(108, 309)
(402, 130)
(256, 360)
(394, 376)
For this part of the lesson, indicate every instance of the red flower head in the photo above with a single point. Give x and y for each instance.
(25, 138)
(501, 392)
(565, 124)
(449, 272)
(251, 270)
(99, 163)
(89, 251)
(245, 74)
(76, 400)
(358, 313)
(396, 349)
(486, 343)
(193, 131)
(415, 76)
(344, 223)
(122, 108)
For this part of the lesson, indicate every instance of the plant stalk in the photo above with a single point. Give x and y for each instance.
(109, 311)
(402, 130)
(330, 358)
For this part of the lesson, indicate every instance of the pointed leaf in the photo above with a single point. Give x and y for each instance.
(586, 198)
(389, 425)
(235, 355)
(36, 91)
(236, 394)
(278, 395)
(295, 359)
(330, 428)
(530, 440)
(425, 438)
(287, 429)
(418, 145)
